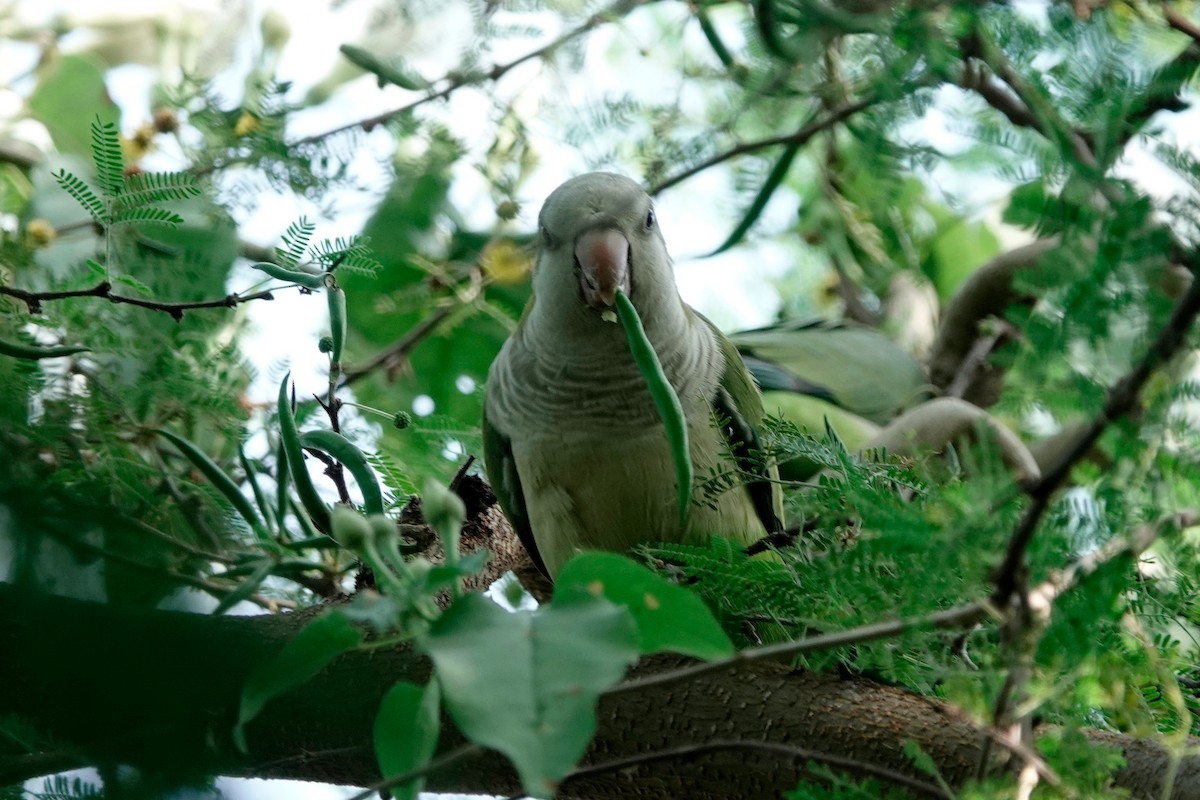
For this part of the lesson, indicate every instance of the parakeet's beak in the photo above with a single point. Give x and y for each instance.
(602, 259)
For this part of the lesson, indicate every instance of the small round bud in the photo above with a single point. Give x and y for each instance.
(507, 209)
(247, 124)
(443, 511)
(39, 233)
(166, 120)
(325, 345)
(401, 420)
(382, 526)
(275, 30)
(350, 529)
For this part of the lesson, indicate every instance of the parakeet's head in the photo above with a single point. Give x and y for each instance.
(599, 234)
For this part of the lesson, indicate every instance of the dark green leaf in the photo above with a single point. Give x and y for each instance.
(322, 640)
(406, 733)
(669, 617)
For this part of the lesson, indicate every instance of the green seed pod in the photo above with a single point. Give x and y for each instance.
(309, 280)
(349, 456)
(382, 526)
(401, 420)
(337, 317)
(325, 344)
(31, 352)
(665, 398)
(289, 439)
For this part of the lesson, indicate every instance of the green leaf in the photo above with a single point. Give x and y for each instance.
(406, 733)
(322, 640)
(669, 617)
(70, 95)
(552, 665)
(295, 243)
(144, 188)
(152, 214)
(83, 194)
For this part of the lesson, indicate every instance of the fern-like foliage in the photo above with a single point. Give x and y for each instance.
(61, 787)
(106, 152)
(143, 188)
(295, 243)
(148, 214)
(349, 254)
(125, 198)
(83, 194)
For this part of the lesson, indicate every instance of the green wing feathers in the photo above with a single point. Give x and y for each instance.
(506, 483)
(739, 406)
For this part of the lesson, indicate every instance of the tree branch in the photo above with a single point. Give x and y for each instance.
(1120, 400)
(33, 300)
(986, 293)
(1181, 23)
(790, 752)
(800, 137)
(458, 81)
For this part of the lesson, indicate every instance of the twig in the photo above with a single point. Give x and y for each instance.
(458, 81)
(800, 137)
(977, 356)
(1033, 615)
(1181, 23)
(1121, 398)
(333, 470)
(957, 617)
(33, 300)
(790, 751)
(997, 97)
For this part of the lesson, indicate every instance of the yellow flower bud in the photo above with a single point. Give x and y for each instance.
(505, 261)
(39, 233)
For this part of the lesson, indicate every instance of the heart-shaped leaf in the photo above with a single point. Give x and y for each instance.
(526, 683)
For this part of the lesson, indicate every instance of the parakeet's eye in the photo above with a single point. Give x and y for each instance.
(650, 219)
(547, 239)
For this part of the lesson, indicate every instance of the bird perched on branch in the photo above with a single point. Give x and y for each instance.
(573, 444)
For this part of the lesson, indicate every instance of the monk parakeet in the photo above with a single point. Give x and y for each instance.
(573, 444)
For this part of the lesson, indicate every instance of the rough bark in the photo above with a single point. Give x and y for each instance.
(160, 689)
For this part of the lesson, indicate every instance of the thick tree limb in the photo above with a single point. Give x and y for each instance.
(160, 689)
(987, 293)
